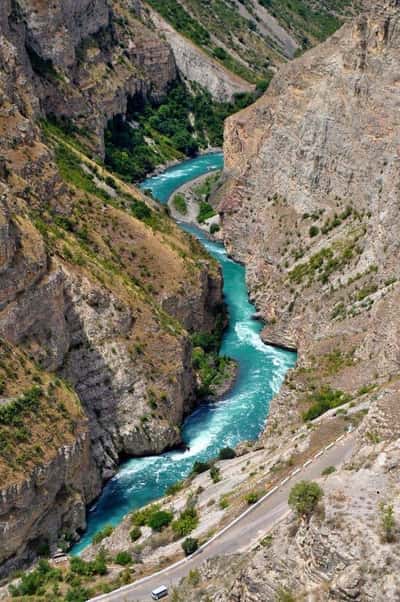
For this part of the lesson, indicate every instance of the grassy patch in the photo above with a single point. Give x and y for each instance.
(179, 203)
(70, 167)
(205, 212)
(323, 400)
(324, 263)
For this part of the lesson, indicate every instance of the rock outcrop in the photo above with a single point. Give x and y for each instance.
(86, 60)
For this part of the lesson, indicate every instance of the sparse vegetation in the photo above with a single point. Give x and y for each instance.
(102, 534)
(388, 523)
(323, 400)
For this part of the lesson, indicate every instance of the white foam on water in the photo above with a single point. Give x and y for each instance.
(246, 334)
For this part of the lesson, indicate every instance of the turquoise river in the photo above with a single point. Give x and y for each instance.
(239, 416)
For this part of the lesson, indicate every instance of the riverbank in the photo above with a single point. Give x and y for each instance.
(191, 207)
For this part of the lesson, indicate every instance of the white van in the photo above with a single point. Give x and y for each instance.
(159, 592)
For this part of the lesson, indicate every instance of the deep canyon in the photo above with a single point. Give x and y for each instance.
(103, 298)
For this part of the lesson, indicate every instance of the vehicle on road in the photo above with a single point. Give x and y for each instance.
(159, 592)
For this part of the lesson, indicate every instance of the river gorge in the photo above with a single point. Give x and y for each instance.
(239, 416)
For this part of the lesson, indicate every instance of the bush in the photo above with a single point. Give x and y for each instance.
(227, 453)
(190, 545)
(314, 231)
(304, 496)
(199, 467)
(97, 566)
(284, 595)
(388, 523)
(328, 470)
(174, 488)
(31, 583)
(220, 53)
(102, 534)
(159, 520)
(186, 523)
(123, 558)
(142, 516)
(135, 533)
(78, 594)
(252, 497)
(215, 474)
(205, 212)
(10, 413)
(223, 502)
(140, 210)
(262, 85)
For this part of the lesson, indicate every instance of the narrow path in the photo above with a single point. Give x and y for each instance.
(243, 532)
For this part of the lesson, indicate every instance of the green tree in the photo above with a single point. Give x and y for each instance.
(227, 453)
(190, 545)
(304, 496)
(123, 558)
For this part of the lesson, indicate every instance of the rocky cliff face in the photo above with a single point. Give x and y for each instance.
(311, 207)
(87, 59)
(88, 292)
(197, 66)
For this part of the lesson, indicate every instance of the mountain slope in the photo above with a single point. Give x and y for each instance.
(98, 287)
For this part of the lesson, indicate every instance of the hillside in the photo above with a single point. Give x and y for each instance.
(93, 366)
(251, 37)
